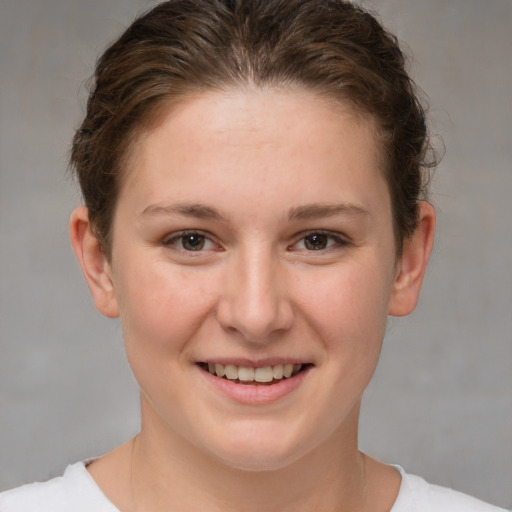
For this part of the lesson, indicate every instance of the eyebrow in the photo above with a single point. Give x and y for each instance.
(198, 211)
(304, 212)
(319, 210)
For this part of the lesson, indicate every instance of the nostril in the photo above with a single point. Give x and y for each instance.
(256, 321)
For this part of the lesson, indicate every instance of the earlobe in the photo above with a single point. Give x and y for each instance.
(94, 263)
(413, 263)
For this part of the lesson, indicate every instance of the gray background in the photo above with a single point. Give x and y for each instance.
(441, 402)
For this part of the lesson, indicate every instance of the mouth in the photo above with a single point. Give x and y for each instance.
(255, 376)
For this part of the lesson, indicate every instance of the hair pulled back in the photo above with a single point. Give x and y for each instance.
(182, 47)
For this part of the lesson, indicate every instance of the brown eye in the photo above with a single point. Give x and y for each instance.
(190, 241)
(193, 242)
(316, 241)
(320, 241)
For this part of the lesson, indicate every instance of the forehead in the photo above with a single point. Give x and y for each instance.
(258, 140)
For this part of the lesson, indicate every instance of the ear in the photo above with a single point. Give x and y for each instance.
(94, 263)
(413, 263)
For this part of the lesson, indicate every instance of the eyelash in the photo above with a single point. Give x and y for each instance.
(331, 240)
(177, 240)
(334, 241)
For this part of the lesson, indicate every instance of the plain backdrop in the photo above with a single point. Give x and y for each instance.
(441, 401)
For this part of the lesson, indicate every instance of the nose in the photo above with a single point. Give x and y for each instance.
(254, 302)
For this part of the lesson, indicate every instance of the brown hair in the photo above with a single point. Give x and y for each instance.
(185, 46)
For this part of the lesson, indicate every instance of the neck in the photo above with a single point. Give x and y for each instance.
(167, 470)
(160, 471)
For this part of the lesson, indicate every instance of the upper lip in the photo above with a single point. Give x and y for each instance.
(254, 363)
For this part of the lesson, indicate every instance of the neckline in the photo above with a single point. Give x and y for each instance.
(78, 474)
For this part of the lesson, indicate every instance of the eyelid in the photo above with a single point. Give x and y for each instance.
(340, 239)
(171, 239)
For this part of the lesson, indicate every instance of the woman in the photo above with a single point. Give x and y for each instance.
(253, 176)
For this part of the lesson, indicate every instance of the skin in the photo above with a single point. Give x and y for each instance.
(257, 176)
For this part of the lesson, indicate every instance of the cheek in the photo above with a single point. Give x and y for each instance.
(348, 313)
(348, 305)
(162, 305)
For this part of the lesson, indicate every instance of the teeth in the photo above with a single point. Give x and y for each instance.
(277, 370)
(219, 370)
(263, 374)
(231, 371)
(247, 374)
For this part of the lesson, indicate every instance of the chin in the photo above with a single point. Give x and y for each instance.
(259, 452)
(259, 461)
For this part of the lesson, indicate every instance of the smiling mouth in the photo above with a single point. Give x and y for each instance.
(266, 375)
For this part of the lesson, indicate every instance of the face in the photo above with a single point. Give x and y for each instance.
(253, 237)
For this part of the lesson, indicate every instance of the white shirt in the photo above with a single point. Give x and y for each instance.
(76, 491)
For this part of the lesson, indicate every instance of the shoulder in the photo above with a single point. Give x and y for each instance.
(74, 491)
(417, 495)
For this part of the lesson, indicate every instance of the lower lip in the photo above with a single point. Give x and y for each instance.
(255, 394)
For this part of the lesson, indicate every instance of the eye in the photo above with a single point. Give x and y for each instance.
(318, 241)
(191, 241)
